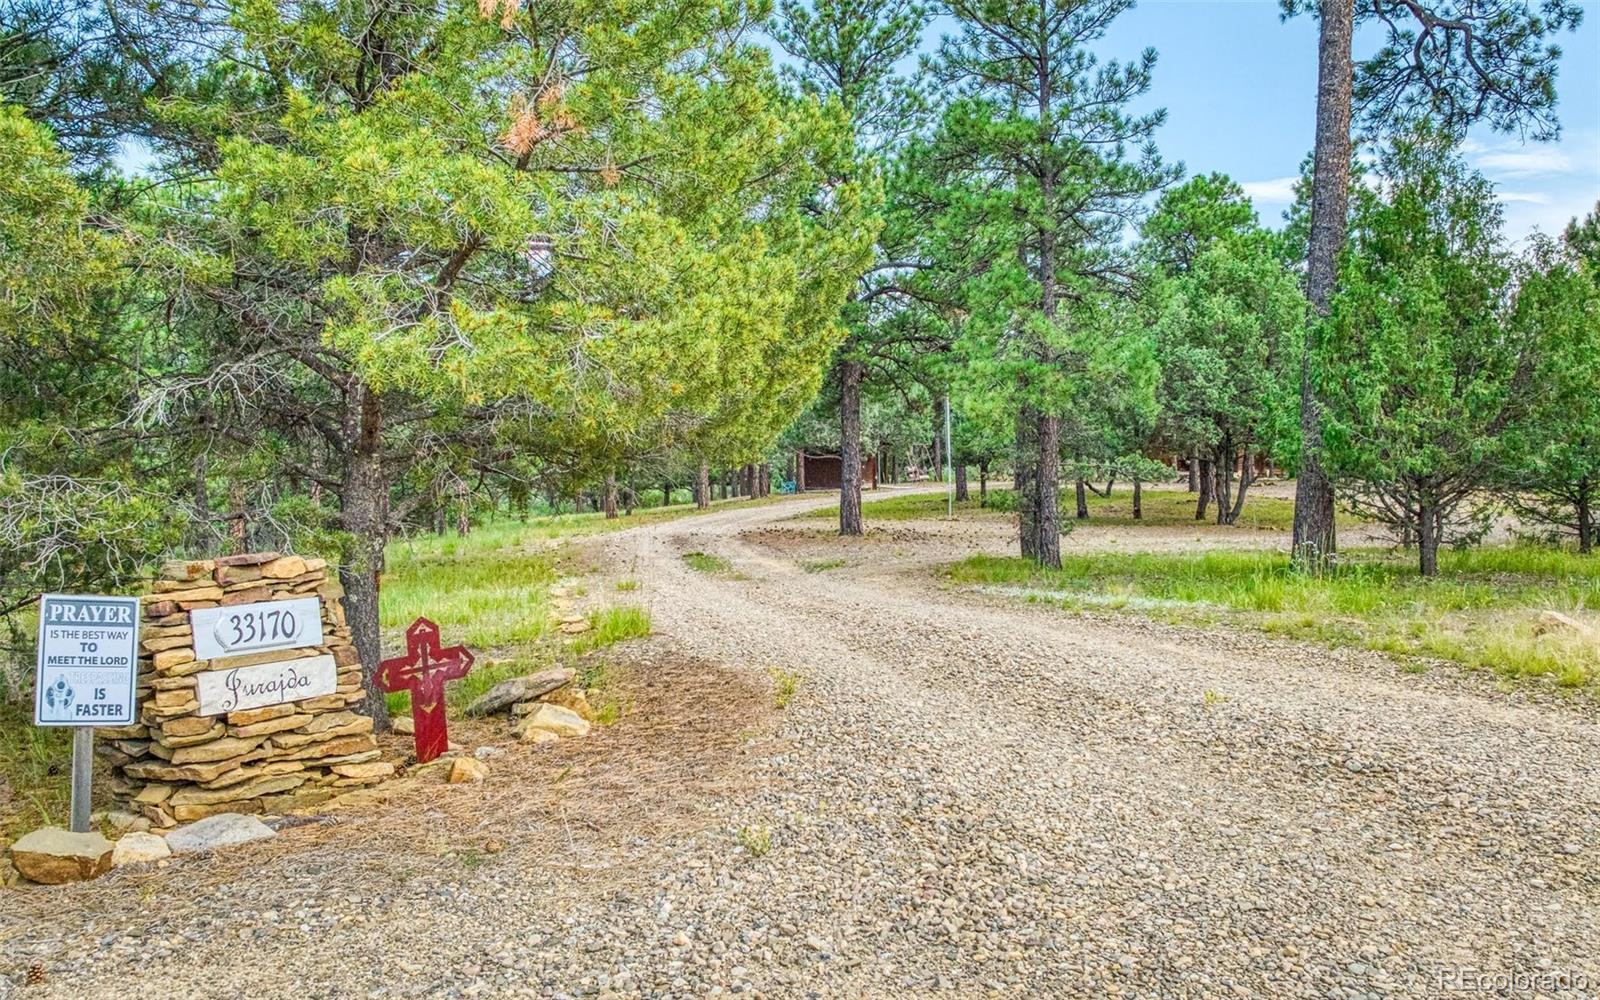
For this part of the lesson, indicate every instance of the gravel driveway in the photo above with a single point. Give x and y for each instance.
(981, 797)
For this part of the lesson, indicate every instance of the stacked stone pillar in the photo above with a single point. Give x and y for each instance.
(174, 765)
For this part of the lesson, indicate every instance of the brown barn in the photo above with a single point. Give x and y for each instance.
(819, 470)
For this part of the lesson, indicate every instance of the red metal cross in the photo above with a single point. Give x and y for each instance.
(423, 671)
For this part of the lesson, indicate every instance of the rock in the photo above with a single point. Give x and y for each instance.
(568, 697)
(538, 736)
(121, 822)
(553, 719)
(375, 769)
(284, 568)
(219, 749)
(404, 725)
(526, 688)
(467, 770)
(213, 832)
(138, 848)
(1555, 621)
(574, 628)
(54, 856)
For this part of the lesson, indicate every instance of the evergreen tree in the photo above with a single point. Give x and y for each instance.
(1423, 378)
(1455, 62)
(1043, 167)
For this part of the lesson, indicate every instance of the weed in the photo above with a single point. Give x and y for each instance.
(821, 565)
(1213, 699)
(705, 562)
(626, 585)
(756, 840)
(784, 685)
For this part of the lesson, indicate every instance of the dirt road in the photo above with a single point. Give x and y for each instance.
(969, 796)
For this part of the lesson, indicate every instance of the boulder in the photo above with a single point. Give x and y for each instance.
(53, 856)
(526, 688)
(467, 770)
(138, 848)
(553, 719)
(213, 832)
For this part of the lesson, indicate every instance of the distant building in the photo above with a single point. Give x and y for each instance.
(819, 470)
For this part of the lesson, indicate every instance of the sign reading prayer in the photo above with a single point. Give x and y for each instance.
(254, 628)
(88, 666)
(423, 671)
(266, 684)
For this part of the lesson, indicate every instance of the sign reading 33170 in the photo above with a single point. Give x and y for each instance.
(252, 628)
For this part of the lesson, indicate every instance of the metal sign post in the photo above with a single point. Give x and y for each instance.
(86, 676)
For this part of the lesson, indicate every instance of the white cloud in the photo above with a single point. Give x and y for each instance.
(1530, 197)
(1524, 162)
(1279, 191)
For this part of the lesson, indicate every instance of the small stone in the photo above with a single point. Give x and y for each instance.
(405, 726)
(574, 628)
(538, 736)
(525, 688)
(213, 832)
(554, 719)
(55, 856)
(139, 848)
(467, 770)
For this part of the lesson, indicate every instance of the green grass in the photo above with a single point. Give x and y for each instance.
(784, 684)
(705, 562)
(1479, 612)
(822, 565)
(36, 763)
(1160, 507)
(613, 625)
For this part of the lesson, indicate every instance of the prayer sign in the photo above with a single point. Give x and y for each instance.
(423, 671)
(255, 628)
(266, 684)
(88, 664)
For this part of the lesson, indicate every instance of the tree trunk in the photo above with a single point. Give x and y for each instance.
(1428, 540)
(1314, 540)
(1138, 499)
(1048, 514)
(1194, 470)
(850, 372)
(1585, 520)
(610, 497)
(1083, 501)
(983, 483)
(364, 515)
(630, 499)
(1026, 480)
(1206, 483)
(463, 521)
(702, 485)
(1247, 477)
(666, 494)
(1224, 492)
(961, 480)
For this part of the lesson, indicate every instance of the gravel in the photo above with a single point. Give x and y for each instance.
(972, 796)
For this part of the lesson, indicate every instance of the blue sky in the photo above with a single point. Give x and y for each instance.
(1239, 86)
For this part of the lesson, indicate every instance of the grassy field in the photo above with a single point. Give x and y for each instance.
(1481, 611)
(491, 590)
(1162, 508)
